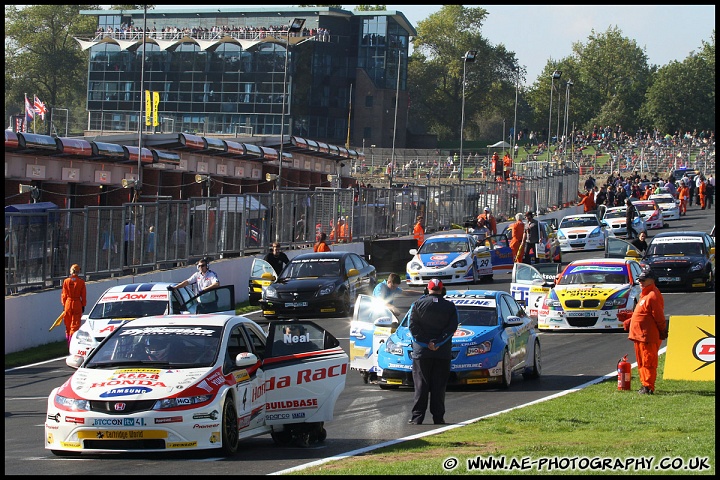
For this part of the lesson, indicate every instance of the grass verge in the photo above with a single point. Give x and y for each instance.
(599, 422)
(59, 349)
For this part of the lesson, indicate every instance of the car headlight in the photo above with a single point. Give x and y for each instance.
(180, 402)
(595, 233)
(460, 263)
(616, 302)
(415, 265)
(270, 293)
(74, 404)
(393, 348)
(697, 267)
(550, 303)
(83, 337)
(326, 289)
(484, 347)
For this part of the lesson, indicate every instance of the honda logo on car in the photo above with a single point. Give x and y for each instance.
(307, 375)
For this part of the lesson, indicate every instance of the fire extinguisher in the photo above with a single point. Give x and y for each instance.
(623, 369)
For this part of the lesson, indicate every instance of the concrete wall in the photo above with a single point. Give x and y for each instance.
(28, 317)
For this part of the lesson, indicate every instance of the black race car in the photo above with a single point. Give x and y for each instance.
(319, 284)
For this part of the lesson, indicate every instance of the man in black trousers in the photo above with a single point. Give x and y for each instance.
(433, 321)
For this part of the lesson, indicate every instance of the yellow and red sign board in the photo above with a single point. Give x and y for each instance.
(690, 348)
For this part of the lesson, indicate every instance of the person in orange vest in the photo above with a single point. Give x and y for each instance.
(490, 220)
(683, 195)
(321, 245)
(74, 300)
(587, 200)
(495, 164)
(344, 231)
(647, 193)
(647, 328)
(518, 231)
(419, 231)
(507, 165)
(702, 192)
(332, 231)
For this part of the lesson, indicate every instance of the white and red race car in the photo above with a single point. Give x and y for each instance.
(122, 303)
(190, 382)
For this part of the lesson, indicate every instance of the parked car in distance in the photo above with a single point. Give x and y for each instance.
(651, 212)
(190, 382)
(494, 339)
(616, 220)
(669, 205)
(583, 232)
(317, 284)
(551, 251)
(122, 303)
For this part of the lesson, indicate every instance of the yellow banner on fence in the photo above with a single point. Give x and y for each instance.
(690, 348)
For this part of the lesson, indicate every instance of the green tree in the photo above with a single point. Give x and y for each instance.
(682, 96)
(610, 75)
(42, 58)
(435, 78)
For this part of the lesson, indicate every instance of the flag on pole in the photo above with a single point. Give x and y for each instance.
(40, 108)
(29, 112)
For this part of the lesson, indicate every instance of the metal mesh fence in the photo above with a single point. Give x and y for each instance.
(135, 237)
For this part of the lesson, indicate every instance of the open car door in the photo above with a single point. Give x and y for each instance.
(372, 324)
(262, 275)
(618, 248)
(500, 252)
(214, 300)
(305, 372)
(530, 284)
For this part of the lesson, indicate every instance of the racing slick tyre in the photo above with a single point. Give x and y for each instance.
(322, 434)
(536, 370)
(230, 434)
(282, 438)
(506, 370)
(64, 453)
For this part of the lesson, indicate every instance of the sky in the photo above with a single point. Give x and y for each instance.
(538, 33)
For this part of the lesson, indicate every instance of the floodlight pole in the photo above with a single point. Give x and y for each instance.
(468, 57)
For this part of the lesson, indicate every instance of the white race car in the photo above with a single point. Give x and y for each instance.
(583, 232)
(121, 303)
(452, 258)
(669, 205)
(616, 220)
(191, 382)
(651, 212)
(590, 293)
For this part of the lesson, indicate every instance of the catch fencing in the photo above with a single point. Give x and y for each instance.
(138, 237)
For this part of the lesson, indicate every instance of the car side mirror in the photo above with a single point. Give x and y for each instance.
(245, 359)
(74, 361)
(268, 276)
(385, 322)
(413, 251)
(513, 321)
(353, 272)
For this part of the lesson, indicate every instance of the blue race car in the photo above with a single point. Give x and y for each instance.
(494, 339)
